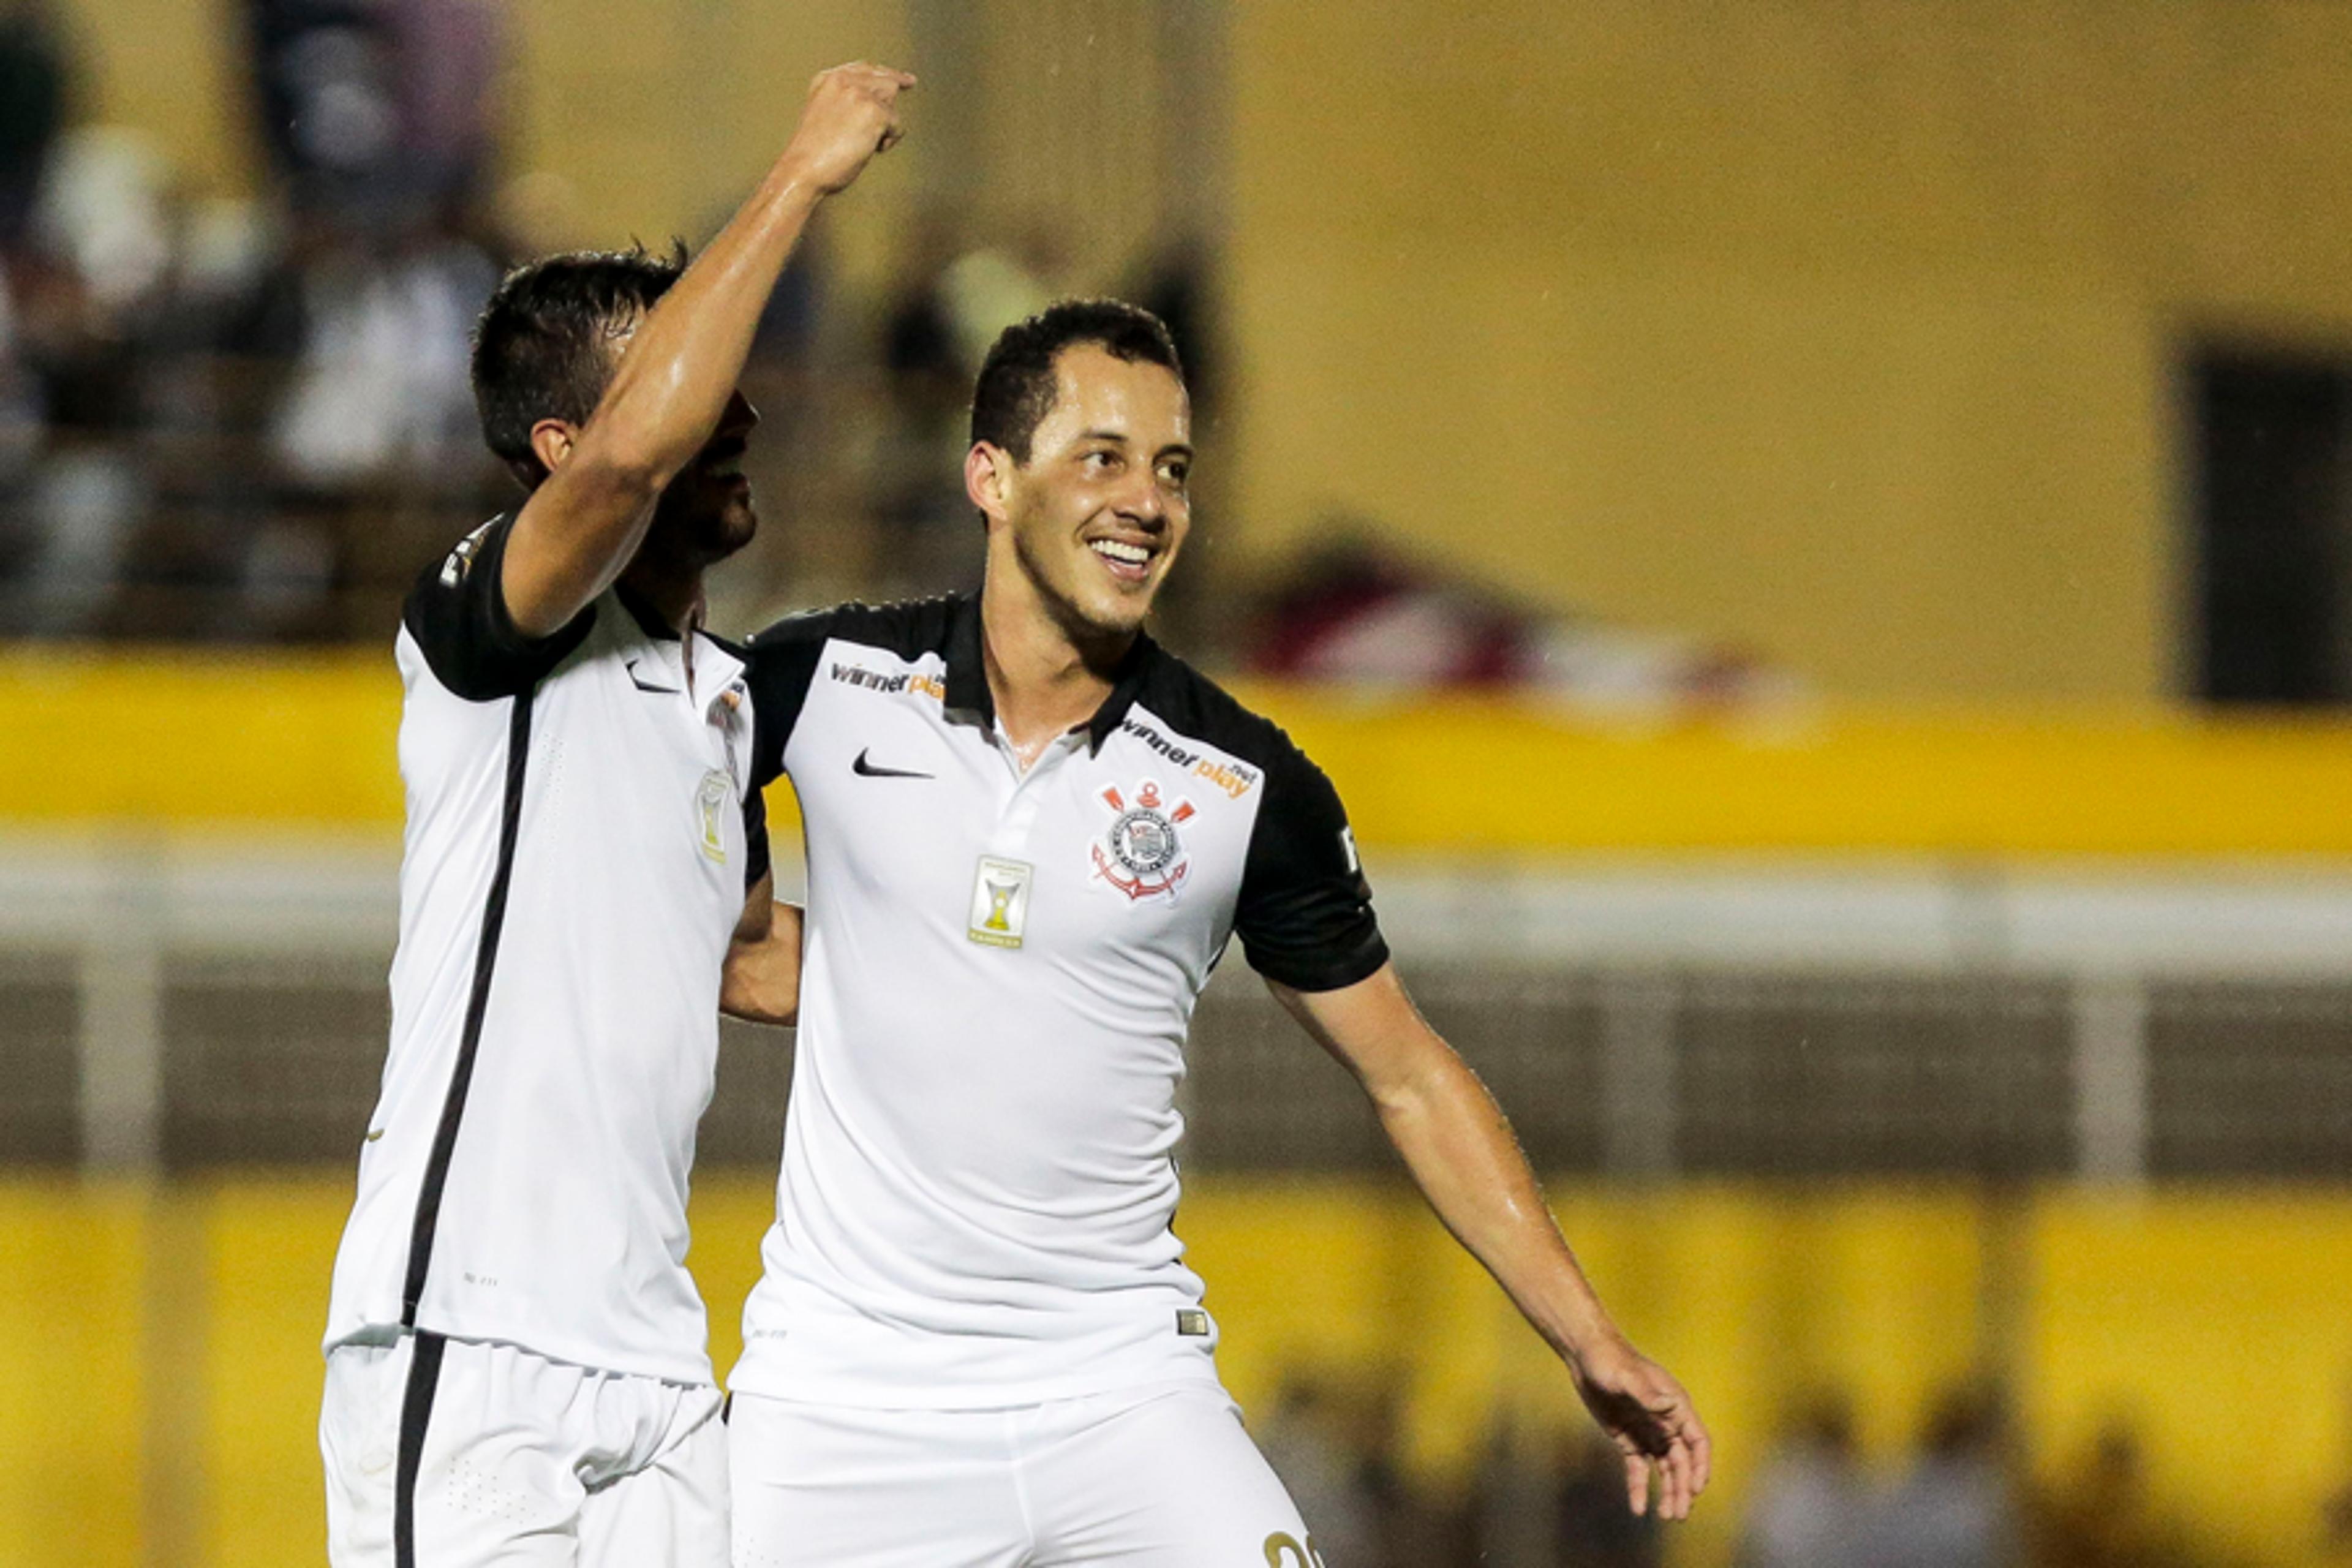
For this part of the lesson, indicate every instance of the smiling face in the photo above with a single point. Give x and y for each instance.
(1093, 520)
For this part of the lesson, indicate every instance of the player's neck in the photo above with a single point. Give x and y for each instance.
(673, 590)
(1043, 678)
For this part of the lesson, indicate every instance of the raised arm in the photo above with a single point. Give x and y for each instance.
(583, 523)
(1460, 1149)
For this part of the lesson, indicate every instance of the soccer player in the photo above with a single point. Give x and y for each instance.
(516, 1362)
(1030, 834)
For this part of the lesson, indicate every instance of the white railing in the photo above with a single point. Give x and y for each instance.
(115, 912)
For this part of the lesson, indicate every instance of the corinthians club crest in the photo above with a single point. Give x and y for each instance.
(1141, 854)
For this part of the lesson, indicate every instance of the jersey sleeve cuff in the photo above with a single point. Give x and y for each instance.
(1325, 972)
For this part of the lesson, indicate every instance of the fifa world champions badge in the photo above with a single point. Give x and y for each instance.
(1142, 854)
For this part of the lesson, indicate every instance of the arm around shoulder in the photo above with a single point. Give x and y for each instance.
(760, 979)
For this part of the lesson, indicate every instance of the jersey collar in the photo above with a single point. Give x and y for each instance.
(969, 701)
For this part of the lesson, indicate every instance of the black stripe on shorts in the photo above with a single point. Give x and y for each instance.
(416, 1414)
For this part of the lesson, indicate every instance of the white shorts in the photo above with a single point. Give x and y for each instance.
(449, 1454)
(1153, 1477)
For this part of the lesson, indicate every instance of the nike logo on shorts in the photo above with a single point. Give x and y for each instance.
(866, 769)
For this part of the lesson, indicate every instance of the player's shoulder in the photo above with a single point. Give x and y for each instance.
(908, 629)
(455, 613)
(1200, 710)
(453, 568)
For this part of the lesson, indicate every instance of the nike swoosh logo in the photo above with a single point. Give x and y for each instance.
(374, 1135)
(872, 771)
(647, 686)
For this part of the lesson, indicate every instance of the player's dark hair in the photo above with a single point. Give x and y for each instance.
(542, 348)
(1016, 391)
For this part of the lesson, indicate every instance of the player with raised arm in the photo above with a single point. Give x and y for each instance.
(1031, 833)
(516, 1368)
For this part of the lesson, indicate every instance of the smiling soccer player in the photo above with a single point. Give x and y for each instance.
(1031, 833)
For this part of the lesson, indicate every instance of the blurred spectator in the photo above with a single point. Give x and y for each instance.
(1957, 1508)
(1555, 1498)
(21, 405)
(379, 383)
(325, 77)
(927, 538)
(988, 288)
(1176, 288)
(89, 287)
(1594, 1526)
(1313, 1443)
(954, 297)
(451, 52)
(2101, 1515)
(376, 111)
(33, 90)
(213, 423)
(1810, 1501)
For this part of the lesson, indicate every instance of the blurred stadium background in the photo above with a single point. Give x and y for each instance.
(1815, 536)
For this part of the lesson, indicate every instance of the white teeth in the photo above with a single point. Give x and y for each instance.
(1128, 554)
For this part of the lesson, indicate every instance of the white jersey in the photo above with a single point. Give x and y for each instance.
(998, 974)
(581, 835)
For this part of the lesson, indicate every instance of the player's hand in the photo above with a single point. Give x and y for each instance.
(852, 113)
(1649, 1416)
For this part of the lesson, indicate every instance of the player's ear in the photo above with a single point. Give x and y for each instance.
(552, 441)
(987, 480)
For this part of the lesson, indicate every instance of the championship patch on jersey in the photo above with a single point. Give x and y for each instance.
(1000, 902)
(711, 800)
(1141, 854)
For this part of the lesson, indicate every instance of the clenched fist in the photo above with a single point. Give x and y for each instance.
(851, 114)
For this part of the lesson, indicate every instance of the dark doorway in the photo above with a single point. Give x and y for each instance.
(2273, 528)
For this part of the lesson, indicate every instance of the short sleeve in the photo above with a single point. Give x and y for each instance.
(1304, 911)
(779, 665)
(457, 614)
(757, 861)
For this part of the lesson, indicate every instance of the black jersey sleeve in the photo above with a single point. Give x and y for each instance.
(457, 614)
(1304, 911)
(757, 860)
(779, 663)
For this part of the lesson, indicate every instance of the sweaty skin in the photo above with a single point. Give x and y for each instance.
(673, 391)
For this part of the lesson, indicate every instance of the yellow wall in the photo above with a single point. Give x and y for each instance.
(306, 743)
(1843, 331)
(2213, 1320)
(174, 68)
(73, 1377)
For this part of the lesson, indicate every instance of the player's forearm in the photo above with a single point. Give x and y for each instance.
(666, 397)
(1460, 1149)
(760, 979)
(670, 388)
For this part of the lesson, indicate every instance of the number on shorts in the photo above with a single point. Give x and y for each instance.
(1279, 1548)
